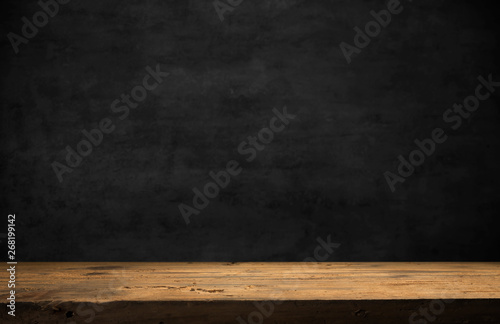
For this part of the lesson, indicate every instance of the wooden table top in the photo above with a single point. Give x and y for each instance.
(217, 281)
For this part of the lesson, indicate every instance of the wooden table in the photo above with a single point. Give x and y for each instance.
(341, 292)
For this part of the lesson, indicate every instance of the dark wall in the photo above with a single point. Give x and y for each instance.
(322, 175)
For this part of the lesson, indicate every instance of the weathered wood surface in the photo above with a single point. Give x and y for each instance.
(220, 292)
(40, 282)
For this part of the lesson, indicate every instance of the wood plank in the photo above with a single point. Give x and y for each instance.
(220, 292)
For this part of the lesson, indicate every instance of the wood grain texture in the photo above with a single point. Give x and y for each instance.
(219, 292)
(39, 282)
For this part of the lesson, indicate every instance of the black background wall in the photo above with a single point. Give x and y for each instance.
(321, 176)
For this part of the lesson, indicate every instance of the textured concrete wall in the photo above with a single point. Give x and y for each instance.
(322, 175)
